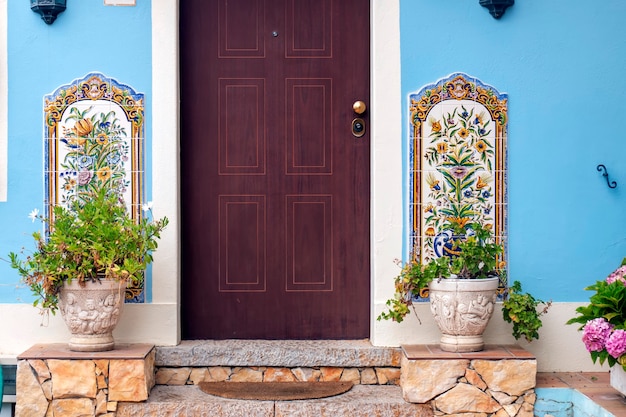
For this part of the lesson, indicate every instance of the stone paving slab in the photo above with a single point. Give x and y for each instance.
(360, 401)
(278, 353)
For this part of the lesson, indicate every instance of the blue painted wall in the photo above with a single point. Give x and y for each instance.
(562, 63)
(87, 37)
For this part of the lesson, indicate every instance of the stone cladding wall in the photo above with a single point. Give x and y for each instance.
(472, 387)
(195, 375)
(83, 386)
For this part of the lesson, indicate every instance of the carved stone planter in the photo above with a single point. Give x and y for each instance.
(91, 312)
(462, 309)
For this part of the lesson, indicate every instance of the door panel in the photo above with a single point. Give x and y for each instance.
(275, 188)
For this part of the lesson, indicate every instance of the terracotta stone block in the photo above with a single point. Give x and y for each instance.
(474, 379)
(41, 369)
(46, 386)
(72, 378)
(149, 369)
(278, 375)
(75, 407)
(172, 376)
(102, 367)
(331, 374)
(101, 403)
(112, 406)
(530, 397)
(128, 380)
(512, 409)
(388, 376)
(423, 380)
(219, 373)
(502, 413)
(307, 374)
(503, 398)
(101, 382)
(198, 375)
(527, 410)
(351, 374)
(31, 400)
(513, 377)
(246, 375)
(368, 377)
(465, 398)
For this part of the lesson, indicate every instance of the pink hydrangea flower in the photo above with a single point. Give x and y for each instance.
(616, 275)
(595, 334)
(616, 343)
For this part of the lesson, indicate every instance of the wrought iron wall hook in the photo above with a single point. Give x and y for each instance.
(611, 184)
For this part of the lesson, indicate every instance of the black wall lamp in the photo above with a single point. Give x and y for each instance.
(48, 9)
(497, 7)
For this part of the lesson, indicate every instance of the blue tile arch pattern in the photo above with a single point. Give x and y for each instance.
(457, 163)
(94, 137)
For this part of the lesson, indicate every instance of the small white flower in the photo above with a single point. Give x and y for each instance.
(147, 206)
(33, 215)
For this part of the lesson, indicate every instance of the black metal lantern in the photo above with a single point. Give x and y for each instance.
(497, 7)
(48, 9)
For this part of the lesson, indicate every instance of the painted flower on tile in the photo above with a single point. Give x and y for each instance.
(102, 139)
(461, 161)
(96, 150)
(83, 178)
(84, 161)
(435, 125)
(104, 173)
(432, 181)
(83, 127)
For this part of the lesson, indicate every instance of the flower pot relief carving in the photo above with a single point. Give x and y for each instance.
(462, 309)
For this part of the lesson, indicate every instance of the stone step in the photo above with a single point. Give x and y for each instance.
(277, 353)
(360, 401)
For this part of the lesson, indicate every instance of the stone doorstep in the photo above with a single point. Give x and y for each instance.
(195, 361)
(360, 401)
(277, 353)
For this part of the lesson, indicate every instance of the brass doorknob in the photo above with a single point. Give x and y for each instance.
(359, 107)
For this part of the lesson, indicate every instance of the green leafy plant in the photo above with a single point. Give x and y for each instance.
(521, 309)
(93, 238)
(603, 320)
(413, 278)
(474, 255)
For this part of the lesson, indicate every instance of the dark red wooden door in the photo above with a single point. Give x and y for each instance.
(275, 188)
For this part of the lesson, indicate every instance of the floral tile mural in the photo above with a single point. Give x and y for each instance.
(457, 159)
(94, 138)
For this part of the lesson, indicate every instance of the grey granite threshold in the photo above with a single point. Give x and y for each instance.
(279, 353)
(360, 401)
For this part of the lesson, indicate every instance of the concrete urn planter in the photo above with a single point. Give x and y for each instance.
(91, 312)
(618, 378)
(462, 309)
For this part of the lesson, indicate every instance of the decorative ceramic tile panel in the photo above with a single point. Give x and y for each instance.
(94, 138)
(457, 159)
